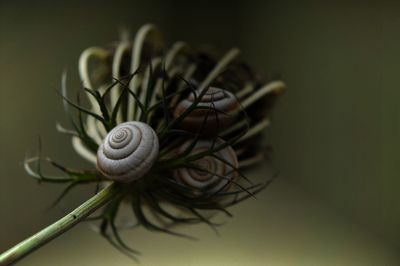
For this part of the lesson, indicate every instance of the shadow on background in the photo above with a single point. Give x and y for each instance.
(335, 132)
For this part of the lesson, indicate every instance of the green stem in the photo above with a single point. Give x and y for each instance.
(44, 236)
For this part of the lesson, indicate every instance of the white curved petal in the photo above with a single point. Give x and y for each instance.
(83, 151)
(140, 37)
(255, 130)
(86, 55)
(274, 86)
(228, 57)
(116, 68)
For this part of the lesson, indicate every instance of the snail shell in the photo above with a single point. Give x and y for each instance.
(210, 180)
(128, 152)
(224, 103)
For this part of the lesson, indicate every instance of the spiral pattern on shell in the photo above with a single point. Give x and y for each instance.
(128, 152)
(218, 174)
(224, 103)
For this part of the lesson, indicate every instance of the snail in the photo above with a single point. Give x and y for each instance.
(217, 174)
(222, 113)
(128, 151)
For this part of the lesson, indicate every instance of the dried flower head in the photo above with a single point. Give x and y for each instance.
(168, 128)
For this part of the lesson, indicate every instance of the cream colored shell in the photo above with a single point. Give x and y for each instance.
(128, 152)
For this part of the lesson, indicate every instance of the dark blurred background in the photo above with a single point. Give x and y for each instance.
(334, 133)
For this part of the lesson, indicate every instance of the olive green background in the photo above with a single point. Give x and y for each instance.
(335, 132)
